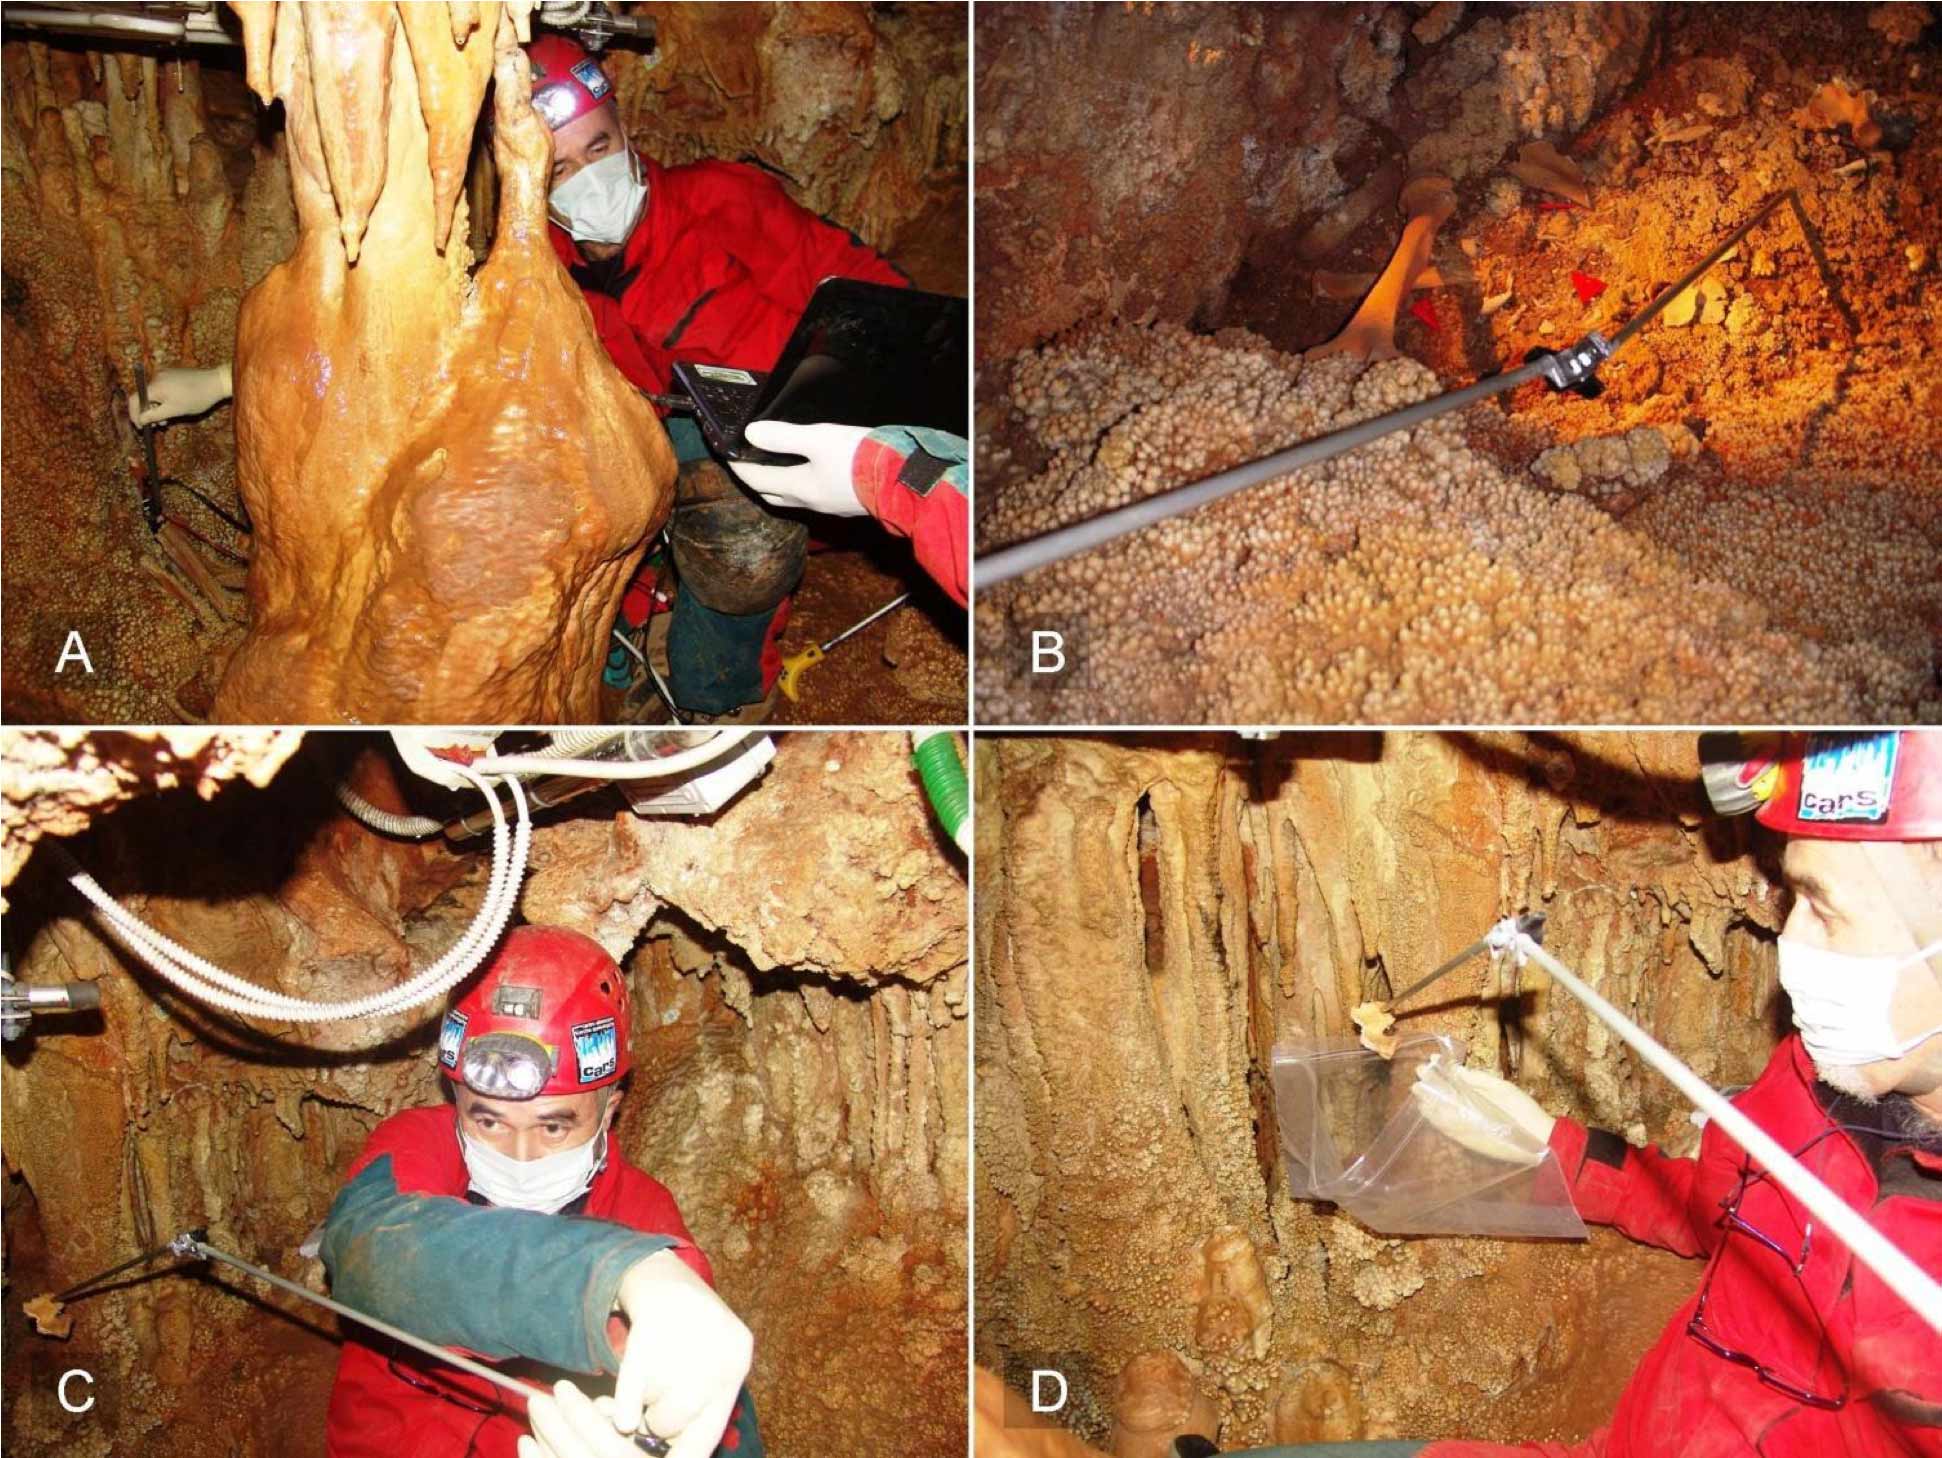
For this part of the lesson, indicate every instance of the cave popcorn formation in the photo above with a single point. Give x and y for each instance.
(449, 478)
(1417, 578)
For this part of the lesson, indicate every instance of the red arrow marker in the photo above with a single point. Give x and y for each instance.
(1588, 287)
(1426, 311)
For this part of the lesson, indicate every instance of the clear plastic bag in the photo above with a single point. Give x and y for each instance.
(1354, 1136)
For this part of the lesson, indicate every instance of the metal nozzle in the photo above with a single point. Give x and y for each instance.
(20, 1002)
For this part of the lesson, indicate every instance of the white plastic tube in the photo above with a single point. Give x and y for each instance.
(208, 983)
(1873, 1249)
(712, 748)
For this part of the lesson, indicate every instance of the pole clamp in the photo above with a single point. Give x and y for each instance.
(1575, 368)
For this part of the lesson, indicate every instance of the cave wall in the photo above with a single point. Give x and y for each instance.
(799, 965)
(1153, 912)
(1110, 135)
(141, 200)
(142, 197)
(863, 108)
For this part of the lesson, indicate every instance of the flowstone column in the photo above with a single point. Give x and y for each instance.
(449, 477)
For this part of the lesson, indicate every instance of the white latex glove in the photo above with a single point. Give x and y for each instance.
(685, 1359)
(568, 1425)
(1484, 1113)
(822, 483)
(181, 392)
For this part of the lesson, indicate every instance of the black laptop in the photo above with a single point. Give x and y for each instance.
(862, 354)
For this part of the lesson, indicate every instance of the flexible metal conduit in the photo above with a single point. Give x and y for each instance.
(413, 827)
(200, 26)
(718, 743)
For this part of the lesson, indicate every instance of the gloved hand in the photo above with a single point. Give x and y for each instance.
(1484, 1113)
(685, 1359)
(822, 483)
(181, 392)
(568, 1425)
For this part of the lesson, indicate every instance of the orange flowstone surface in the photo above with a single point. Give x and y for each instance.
(450, 479)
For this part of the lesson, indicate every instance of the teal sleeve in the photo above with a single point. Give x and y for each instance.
(742, 1438)
(941, 445)
(502, 1283)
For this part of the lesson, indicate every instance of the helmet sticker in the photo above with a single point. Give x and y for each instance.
(596, 1048)
(1760, 776)
(1847, 777)
(450, 1037)
(590, 75)
(517, 1002)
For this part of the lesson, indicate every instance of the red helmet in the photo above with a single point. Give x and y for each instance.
(567, 80)
(1883, 785)
(549, 1017)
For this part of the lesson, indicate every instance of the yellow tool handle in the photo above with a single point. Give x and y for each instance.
(794, 666)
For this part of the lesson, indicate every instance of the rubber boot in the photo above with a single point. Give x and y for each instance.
(737, 563)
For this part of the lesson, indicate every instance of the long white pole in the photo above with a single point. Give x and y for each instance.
(1873, 1249)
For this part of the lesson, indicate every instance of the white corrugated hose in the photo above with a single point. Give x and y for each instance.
(210, 984)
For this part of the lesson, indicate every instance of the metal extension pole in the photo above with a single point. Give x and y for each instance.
(1082, 536)
(1873, 1249)
(190, 1243)
(1672, 291)
(1563, 369)
(1531, 924)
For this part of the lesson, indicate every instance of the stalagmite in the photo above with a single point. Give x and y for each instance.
(450, 479)
(1236, 1313)
(1316, 1403)
(1155, 1400)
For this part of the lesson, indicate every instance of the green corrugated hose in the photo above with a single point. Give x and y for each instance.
(935, 752)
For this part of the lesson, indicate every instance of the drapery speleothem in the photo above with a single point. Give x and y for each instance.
(449, 478)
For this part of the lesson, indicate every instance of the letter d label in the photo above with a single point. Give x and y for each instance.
(1038, 1376)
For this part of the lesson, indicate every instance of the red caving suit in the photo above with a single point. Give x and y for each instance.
(403, 1243)
(1686, 1400)
(717, 271)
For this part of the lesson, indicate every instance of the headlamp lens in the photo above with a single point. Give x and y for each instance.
(506, 1066)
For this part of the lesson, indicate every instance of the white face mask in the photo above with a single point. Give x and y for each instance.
(1844, 1005)
(603, 200)
(547, 1184)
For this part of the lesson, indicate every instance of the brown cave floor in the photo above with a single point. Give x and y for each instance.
(908, 667)
(1827, 375)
